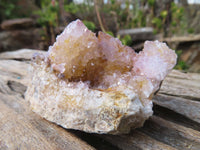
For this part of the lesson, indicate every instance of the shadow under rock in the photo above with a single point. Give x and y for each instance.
(94, 140)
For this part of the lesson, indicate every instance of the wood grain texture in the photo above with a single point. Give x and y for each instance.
(172, 134)
(136, 140)
(24, 54)
(186, 107)
(186, 85)
(183, 38)
(175, 124)
(180, 92)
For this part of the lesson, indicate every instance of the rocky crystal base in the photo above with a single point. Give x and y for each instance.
(96, 84)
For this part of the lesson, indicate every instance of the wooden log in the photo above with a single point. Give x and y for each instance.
(136, 140)
(189, 38)
(177, 118)
(23, 54)
(186, 85)
(186, 107)
(175, 124)
(180, 92)
(138, 34)
(172, 134)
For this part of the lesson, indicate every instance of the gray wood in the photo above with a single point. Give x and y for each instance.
(136, 140)
(186, 85)
(186, 107)
(180, 92)
(188, 38)
(137, 34)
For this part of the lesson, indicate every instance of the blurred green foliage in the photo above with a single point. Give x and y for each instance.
(9, 10)
(84, 11)
(48, 19)
(90, 25)
(158, 24)
(125, 14)
(174, 15)
(178, 22)
(48, 14)
(190, 30)
(139, 20)
(151, 2)
(181, 65)
(110, 33)
(71, 8)
(126, 40)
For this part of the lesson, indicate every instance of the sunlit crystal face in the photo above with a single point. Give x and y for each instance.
(78, 55)
(119, 57)
(73, 48)
(155, 60)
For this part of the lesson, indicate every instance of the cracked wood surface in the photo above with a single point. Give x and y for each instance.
(174, 125)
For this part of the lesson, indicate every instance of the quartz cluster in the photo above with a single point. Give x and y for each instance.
(96, 84)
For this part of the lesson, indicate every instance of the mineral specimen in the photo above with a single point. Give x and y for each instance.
(96, 84)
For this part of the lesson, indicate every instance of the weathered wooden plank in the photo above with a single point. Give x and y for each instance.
(180, 92)
(179, 84)
(187, 38)
(24, 54)
(12, 70)
(138, 34)
(136, 140)
(17, 134)
(96, 140)
(188, 108)
(177, 118)
(187, 76)
(172, 134)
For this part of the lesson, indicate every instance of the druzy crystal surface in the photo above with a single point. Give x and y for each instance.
(96, 84)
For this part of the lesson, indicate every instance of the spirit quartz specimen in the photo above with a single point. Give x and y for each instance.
(96, 84)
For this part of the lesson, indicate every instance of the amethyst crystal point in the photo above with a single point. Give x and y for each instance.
(96, 84)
